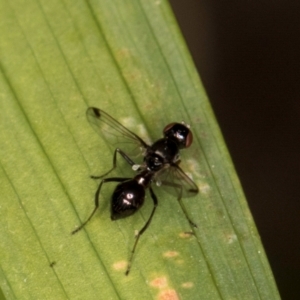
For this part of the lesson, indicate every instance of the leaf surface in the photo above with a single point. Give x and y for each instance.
(128, 58)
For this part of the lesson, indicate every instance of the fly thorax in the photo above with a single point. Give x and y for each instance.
(154, 162)
(166, 149)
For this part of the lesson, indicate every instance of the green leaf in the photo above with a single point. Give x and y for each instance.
(129, 59)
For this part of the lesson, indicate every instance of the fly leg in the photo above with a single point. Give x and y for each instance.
(124, 155)
(113, 179)
(154, 198)
(179, 186)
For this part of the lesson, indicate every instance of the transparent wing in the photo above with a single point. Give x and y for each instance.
(112, 131)
(176, 182)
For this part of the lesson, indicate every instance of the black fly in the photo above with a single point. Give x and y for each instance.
(160, 166)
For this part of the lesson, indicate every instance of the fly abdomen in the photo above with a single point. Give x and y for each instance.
(127, 198)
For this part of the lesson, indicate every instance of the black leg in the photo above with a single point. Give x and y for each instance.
(178, 186)
(124, 155)
(154, 198)
(113, 179)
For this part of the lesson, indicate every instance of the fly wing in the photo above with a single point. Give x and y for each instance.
(112, 131)
(176, 182)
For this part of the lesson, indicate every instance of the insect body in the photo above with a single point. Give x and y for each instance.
(160, 166)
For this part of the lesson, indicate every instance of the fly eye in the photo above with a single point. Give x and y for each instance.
(168, 127)
(180, 133)
(189, 139)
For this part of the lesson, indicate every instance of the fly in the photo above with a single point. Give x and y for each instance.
(160, 166)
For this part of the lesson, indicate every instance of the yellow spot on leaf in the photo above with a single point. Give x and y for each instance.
(168, 295)
(171, 254)
(187, 285)
(120, 265)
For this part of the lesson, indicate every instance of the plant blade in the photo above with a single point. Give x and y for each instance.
(128, 59)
